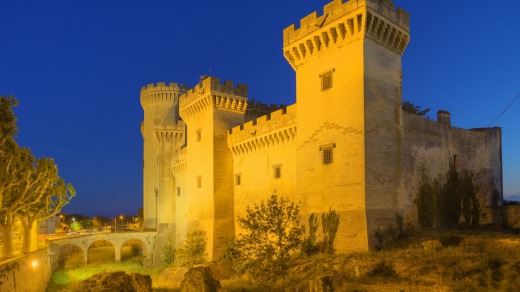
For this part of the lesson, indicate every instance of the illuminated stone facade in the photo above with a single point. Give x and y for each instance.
(345, 144)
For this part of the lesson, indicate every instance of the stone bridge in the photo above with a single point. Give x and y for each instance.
(116, 239)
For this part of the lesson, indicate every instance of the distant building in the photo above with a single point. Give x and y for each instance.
(345, 144)
(49, 226)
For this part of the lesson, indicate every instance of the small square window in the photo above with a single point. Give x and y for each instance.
(277, 171)
(238, 179)
(199, 181)
(326, 80)
(199, 135)
(327, 154)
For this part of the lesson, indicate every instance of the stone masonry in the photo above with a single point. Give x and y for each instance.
(345, 144)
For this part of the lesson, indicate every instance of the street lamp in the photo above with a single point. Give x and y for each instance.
(121, 217)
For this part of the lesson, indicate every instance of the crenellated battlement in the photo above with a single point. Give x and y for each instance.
(213, 84)
(337, 9)
(161, 93)
(346, 22)
(181, 159)
(256, 109)
(210, 93)
(169, 132)
(161, 86)
(274, 128)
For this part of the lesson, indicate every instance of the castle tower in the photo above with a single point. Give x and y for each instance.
(163, 133)
(209, 110)
(348, 76)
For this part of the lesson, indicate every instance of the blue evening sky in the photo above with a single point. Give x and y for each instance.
(77, 67)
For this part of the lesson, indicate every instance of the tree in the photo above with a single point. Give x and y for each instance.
(8, 127)
(442, 205)
(414, 109)
(192, 251)
(87, 223)
(425, 202)
(469, 201)
(272, 231)
(25, 183)
(17, 178)
(330, 225)
(48, 202)
(76, 226)
(449, 202)
(101, 221)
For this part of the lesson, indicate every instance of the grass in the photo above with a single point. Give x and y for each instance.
(482, 261)
(101, 259)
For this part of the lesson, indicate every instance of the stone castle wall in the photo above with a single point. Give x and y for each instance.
(30, 272)
(512, 213)
(230, 157)
(258, 147)
(429, 146)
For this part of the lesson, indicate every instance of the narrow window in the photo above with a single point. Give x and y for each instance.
(199, 135)
(178, 191)
(326, 80)
(238, 179)
(327, 154)
(199, 181)
(277, 171)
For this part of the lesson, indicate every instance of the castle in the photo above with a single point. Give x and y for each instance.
(346, 144)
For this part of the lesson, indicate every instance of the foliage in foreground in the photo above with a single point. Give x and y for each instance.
(329, 224)
(441, 205)
(414, 109)
(272, 231)
(192, 251)
(30, 188)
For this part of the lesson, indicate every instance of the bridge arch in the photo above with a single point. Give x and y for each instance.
(117, 240)
(135, 243)
(64, 251)
(98, 244)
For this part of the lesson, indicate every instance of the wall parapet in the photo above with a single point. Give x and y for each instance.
(210, 93)
(272, 129)
(336, 10)
(181, 158)
(345, 23)
(169, 132)
(161, 93)
(161, 86)
(257, 109)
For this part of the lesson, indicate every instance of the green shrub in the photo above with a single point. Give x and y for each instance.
(330, 225)
(169, 251)
(192, 251)
(309, 245)
(272, 232)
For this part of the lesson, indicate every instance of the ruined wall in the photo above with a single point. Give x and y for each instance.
(258, 147)
(30, 272)
(428, 147)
